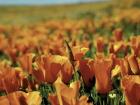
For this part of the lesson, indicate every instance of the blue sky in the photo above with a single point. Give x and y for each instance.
(6, 2)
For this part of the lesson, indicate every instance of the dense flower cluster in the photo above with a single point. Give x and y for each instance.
(71, 62)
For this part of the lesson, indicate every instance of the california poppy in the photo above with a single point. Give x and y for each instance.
(131, 87)
(11, 80)
(133, 64)
(21, 98)
(79, 52)
(51, 66)
(118, 33)
(67, 95)
(102, 68)
(26, 62)
(87, 71)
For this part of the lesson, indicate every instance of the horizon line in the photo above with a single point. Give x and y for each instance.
(56, 3)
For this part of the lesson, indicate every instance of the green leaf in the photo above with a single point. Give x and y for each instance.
(90, 53)
(3, 56)
(45, 89)
(121, 54)
(106, 50)
(2, 93)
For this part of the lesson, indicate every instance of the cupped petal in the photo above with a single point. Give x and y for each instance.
(131, 87)
(87, 71)
(103, 67)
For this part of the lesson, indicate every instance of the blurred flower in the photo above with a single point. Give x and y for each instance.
(118, 33)
(100, 44)
(11, 79)
(26, 62)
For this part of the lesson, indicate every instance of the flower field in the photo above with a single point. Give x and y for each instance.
(91, 60)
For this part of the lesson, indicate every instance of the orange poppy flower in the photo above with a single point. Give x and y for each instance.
(51, 66)
(131, 87)
(87, 71)
(102, 68)
(3, 42)
(100, 44)
(11, 52)
(67, 95)
(120, 47)
(4, 101)
(118, 33)
(116, 71)
(83, 101)
(22, 45)
(135, 45)
(10, 80)
(139, 62)
(26, 62)
(133, 64)
(125, 68)
(79, 52)
(33, 98)
(21, 98)
(15, 98)
(122, 64)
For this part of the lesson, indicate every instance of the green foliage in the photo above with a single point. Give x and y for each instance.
(106, 50)
(31, 14)
(114, 97)
(2, 93)
(3, 56)
(88, 14)
(84, 90)
(91, 52)
(45, 89)
(15, 64)
(30, 78)
(76, 76)
(121, 54)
